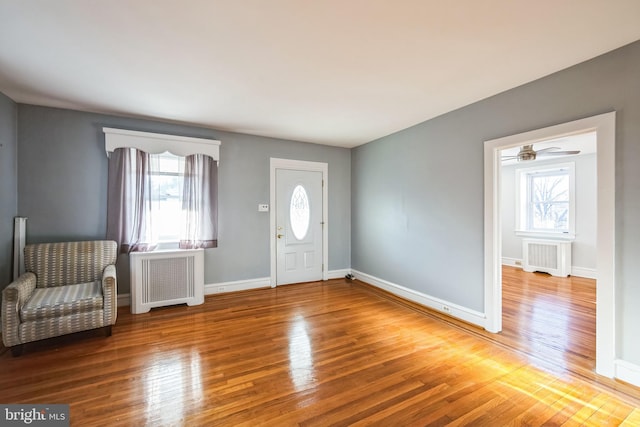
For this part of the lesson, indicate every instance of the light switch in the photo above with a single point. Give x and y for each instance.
(263, 208)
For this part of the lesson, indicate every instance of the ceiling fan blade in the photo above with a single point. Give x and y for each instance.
(558, 153)
(547, 149)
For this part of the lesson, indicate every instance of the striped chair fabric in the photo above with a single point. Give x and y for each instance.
(67, 287)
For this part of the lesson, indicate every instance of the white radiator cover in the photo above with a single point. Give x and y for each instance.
(161, 278)
(549, 256)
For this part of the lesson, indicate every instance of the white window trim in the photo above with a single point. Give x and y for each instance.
(156, 143)
(521, 200)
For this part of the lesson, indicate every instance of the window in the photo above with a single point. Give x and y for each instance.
(161, 188)
(299, 212)
(546, 200)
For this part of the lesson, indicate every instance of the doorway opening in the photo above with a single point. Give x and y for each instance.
(604, 127)
(548, 221)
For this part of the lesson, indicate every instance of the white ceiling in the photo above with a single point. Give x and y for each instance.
(337, 72)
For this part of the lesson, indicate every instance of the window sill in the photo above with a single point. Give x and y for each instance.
(546, 235)
(168, 245)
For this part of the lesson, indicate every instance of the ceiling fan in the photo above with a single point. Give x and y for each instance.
(527, 153)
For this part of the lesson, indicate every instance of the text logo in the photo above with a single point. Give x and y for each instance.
(54, 415)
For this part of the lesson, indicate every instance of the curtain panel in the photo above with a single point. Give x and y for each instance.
(199, 203)
(129, 219)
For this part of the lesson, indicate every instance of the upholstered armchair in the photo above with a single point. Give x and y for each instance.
(66, 288)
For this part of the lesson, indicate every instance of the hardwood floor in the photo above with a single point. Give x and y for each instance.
(316, 354)
(551, 318)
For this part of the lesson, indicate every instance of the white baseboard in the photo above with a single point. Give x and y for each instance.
(588, 273)
(124, 300)
(627, 372)
(238, 285)
(451, 309)
(338, 274)
(263, 282)
(513, 262)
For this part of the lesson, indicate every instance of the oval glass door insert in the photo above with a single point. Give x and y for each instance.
(299, 214)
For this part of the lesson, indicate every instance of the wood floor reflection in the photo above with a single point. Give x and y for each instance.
(553, 318)
(316, 354)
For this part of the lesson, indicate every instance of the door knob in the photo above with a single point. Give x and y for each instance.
(279, 236)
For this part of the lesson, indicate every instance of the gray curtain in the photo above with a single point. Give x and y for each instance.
(129, 206)
(200, 203)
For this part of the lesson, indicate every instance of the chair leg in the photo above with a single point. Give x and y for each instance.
(107, 331)
(16, 350)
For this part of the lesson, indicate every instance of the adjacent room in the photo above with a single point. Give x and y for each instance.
(320, 213)
(548, 215)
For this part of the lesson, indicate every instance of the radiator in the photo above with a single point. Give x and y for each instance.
(161, 278)
(548, 256)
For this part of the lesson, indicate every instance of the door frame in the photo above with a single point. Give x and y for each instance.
(299, 165)
(604, 126)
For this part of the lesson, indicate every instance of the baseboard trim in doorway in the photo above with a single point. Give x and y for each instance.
(587, 273)
(627, 372)
(512, 262)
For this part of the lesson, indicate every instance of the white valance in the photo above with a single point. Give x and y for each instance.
(155, 143)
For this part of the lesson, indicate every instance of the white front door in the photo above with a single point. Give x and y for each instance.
(298, 226)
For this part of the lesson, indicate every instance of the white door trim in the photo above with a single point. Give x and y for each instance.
(604, 125)
(300, 165)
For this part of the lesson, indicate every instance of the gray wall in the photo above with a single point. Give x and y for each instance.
(8, 185)
(417, 195)
(63, 185)
(583, 248)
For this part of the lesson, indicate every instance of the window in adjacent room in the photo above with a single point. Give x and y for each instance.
(546, 200)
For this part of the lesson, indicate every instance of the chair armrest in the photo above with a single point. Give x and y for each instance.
(13, 297)
(110, 294)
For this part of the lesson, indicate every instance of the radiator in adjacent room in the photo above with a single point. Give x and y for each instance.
(548, 256)
(161, 278)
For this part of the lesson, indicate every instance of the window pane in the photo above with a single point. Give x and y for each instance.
(550, 216)
(167, 219)
(550, 188)
(299, 212)
(166, 196)
(168, 163)
(165, 187)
